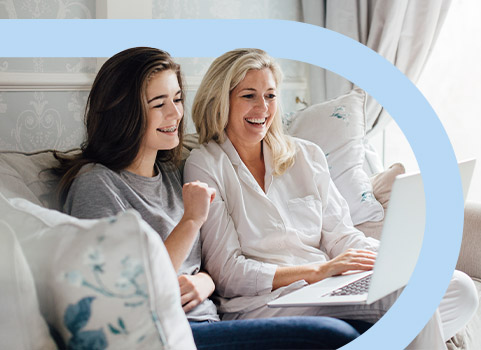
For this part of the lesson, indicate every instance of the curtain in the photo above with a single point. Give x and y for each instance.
(402, 31)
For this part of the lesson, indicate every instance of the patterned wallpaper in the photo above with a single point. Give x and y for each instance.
(239, 9)
(43, 9)
(36, 120)
(33, 121)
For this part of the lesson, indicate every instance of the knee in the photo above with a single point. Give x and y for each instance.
(332, 333)
(338, 332)
(463, 289)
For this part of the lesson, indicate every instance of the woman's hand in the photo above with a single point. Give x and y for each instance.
(197, 197)
(351, 259)
(194, 289)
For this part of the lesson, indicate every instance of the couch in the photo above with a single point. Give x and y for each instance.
(47, 262)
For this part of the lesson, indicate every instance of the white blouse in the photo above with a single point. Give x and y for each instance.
(300, 219)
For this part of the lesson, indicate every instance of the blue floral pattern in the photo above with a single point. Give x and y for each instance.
(340, 113)
(128, 286)
(287, 120)
(367, 196)
(75, 318)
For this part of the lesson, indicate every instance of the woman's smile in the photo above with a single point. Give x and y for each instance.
(256, 121)
(253, 105)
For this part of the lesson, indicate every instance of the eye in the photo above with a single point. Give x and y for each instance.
(178, 100)
(248, 96)
(271, 96)
(158, 106)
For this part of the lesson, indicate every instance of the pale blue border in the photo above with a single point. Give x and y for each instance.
(311, 44)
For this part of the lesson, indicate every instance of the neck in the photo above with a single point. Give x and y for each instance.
(253, 158)
(143, 165)
(251, 153)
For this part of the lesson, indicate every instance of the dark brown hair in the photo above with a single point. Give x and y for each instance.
(116, 115)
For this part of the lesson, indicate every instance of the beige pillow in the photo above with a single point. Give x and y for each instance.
(22, 175)
(338, 126)
(382, 186)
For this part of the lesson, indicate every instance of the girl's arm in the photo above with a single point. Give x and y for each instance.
(197, 197)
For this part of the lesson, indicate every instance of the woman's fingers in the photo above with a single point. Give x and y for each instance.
(352, 259)
(361, 252)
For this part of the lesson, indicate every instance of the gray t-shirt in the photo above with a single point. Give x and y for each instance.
(100, 192)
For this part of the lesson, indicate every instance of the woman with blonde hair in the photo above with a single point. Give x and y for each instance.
(278, 222)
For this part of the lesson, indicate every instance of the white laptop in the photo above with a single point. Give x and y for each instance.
(401, 242)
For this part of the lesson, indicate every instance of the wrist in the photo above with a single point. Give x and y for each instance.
(318, 272)
(207, 281)
(191, 224)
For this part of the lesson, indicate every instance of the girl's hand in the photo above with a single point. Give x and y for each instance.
(197, 197)
(194, 289)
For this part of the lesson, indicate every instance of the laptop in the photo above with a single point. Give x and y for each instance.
(401, 242)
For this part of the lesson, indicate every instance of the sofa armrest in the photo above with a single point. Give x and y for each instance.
(469, 260)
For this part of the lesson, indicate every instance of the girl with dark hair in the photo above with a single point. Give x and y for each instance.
(117, 112)
(130, 159)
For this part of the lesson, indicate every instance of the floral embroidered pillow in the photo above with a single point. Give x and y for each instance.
(338, 127)
(102, 284)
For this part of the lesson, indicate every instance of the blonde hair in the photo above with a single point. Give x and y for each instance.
(210, 110)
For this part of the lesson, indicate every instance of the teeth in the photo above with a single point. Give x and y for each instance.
(256, 120)
(171, 129)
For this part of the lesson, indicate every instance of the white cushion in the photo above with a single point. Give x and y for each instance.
(338, 127)
(22, 327)
(107, 282)
(22, 175)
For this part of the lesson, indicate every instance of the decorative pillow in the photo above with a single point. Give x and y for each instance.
(338, 127)
(101, 284)
(22, 175)
(382, 186)
(22, 327)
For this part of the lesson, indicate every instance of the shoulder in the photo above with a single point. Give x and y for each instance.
(209, 164)
(95, 193)
(308, 149)
(95, 177)
(96, 170)
(210, 154)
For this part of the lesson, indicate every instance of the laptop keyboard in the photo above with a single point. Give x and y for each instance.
(358, 287)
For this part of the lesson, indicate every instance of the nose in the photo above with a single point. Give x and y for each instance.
(261, 104)
(173, 110)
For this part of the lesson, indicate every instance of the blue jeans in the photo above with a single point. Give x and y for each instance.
(297, 332)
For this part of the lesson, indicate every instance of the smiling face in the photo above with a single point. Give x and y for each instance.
(252, 107)
(164, 112)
